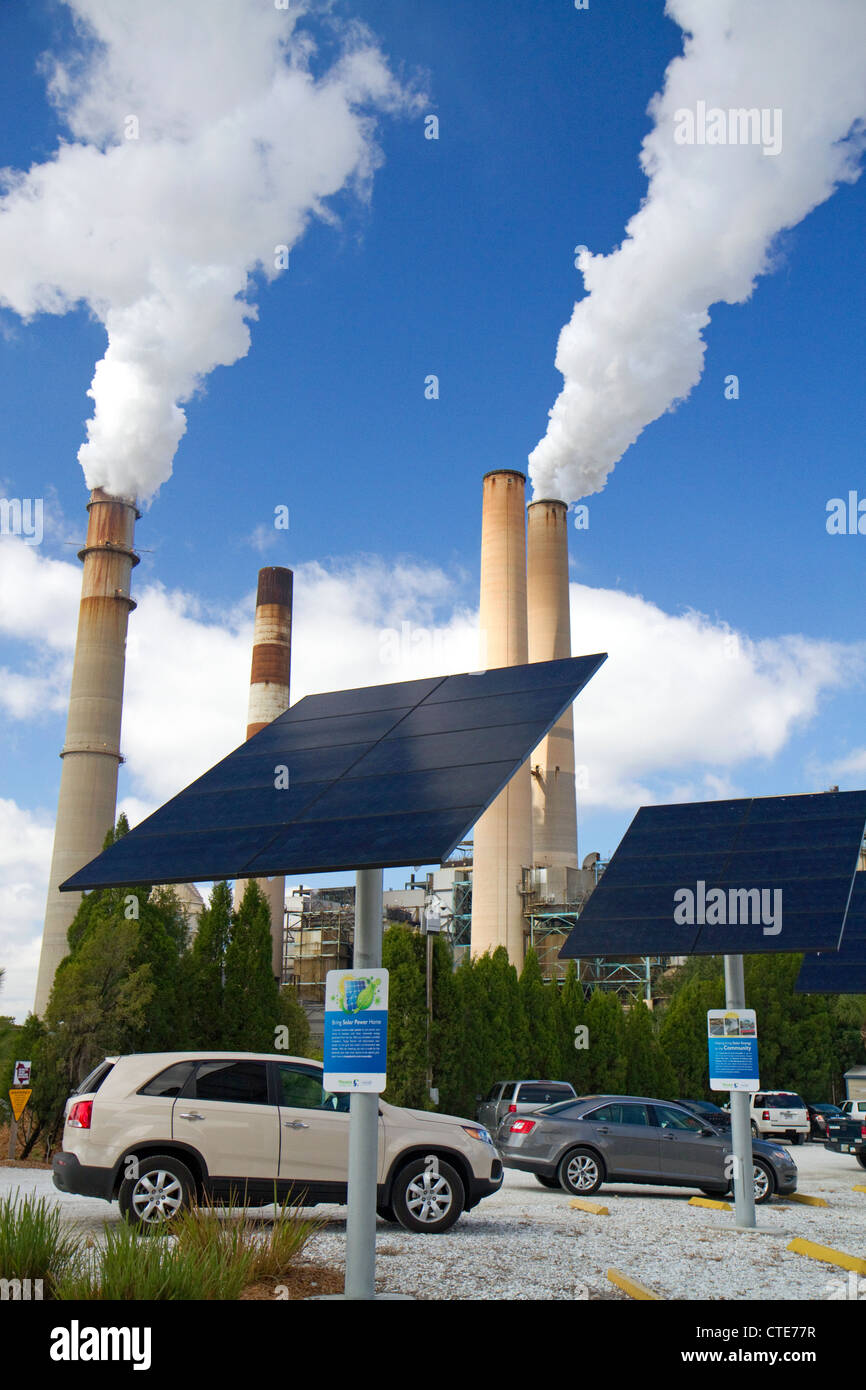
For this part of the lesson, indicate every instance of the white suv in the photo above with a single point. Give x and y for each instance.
(157, 1130)
(780, 1112)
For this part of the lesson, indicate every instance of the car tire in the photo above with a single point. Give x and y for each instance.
(428, 1199)
(580, 1172)
(765, 1183)
(157, 1174)
(754, 1130)
(388, 1214)
(861, 1159)
(799, 1138)
(546, 1181)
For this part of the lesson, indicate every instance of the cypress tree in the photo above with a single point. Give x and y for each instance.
(204, 973)
(251, 995)
(403, 958)
(542, 1054)
(606, 1053)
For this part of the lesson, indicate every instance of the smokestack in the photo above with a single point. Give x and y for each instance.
(503, 835)
(91, 752)
(554, 814)
(269, 697)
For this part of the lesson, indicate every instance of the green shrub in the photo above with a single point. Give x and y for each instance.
(33, 1244)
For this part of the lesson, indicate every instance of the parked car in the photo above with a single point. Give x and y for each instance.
(846, 1134)
(779, 1112)
(818, 1116)
(855, 1109)
(155, 1131)
(705, 1110)
(579, 1145)
(519, 1098)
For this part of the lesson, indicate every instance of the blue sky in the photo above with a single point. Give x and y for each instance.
(461, 263)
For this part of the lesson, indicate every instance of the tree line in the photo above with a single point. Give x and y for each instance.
(490, 1024)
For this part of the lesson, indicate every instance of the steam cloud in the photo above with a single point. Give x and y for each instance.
(235, 144)
(633, 347)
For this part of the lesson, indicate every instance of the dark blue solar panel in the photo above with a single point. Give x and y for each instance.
(378, 777)
(842, 971)
(803, 847)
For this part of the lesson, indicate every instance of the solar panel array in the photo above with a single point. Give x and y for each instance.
(842, 972)
(377, 777)
(655, 896)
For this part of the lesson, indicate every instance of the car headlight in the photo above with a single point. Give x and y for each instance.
(478, 1132)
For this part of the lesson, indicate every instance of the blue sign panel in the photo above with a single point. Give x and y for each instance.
(356, 1030)
(733, 1044)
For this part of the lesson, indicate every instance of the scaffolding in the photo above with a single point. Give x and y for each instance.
(319, 937)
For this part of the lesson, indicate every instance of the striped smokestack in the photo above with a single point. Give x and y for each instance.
(503, 835)
(554, 814)
(269, 697)
(91, 753)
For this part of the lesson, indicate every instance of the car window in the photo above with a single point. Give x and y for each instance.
(168, 1083)
(669, 1118)
(784, 1100)
(94, 1079)
(562, 1107)
(493, 1093)
(245, 1083)
(544, 1095)
(302, 1089)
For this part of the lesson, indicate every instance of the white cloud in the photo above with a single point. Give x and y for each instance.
(684, 694)
(206, 136)
(26, 840)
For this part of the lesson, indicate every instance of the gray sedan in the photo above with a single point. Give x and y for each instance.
(580, 1144)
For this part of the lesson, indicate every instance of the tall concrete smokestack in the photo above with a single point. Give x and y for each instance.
(269, 697)
(503, 835)
(554, 815)
(91, 753)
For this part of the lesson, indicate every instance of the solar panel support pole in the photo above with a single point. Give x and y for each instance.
(741, 1131)
(364, 1109)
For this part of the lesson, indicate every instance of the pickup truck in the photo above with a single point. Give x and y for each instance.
(847, 1136)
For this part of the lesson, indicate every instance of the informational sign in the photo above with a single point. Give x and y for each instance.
(19, 1097)
(733, 1044)
(21, 1074)
(356, 1030)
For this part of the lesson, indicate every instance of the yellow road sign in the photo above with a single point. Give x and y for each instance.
(19, 1096)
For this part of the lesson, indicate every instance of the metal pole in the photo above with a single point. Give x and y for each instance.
(429, 944)
(741, 1131)
(364, 1109)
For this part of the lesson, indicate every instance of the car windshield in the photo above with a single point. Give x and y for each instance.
(558, 1108)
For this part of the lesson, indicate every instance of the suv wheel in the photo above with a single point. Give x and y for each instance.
(754, 1130)
(861, 1159)
(580, 1172)
(428, 1197)
(163, 1188)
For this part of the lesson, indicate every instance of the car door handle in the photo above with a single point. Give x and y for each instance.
(602, 1129)
(190, 1115)
(295, 1124)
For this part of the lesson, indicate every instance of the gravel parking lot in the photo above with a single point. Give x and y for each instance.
(528, 1243)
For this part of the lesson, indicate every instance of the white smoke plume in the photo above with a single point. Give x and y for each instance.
(204, 135)
(705, 231)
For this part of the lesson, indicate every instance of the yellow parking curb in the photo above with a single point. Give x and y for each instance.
(859, 1188)
(632, 1287)
(580, 1204)
(708, 1202)
(828, 1255)
(807, 1201)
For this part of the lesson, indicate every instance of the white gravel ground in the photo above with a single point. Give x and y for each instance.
(527, 1243)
